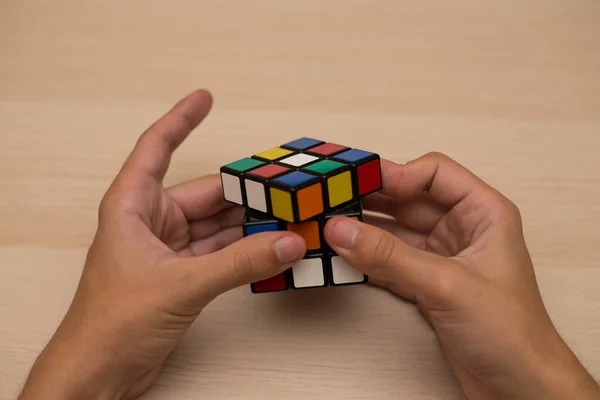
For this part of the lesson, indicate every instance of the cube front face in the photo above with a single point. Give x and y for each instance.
(298, 187)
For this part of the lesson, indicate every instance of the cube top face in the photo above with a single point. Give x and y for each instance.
(268, 171)
(298, 160)
(302, 143)
(295, 179)
(327, 149)
(353, 155)
(245, 164)
(273, 154)
(325, 167)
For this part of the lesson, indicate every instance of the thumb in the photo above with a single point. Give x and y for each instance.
(251, 259)
(385, 258)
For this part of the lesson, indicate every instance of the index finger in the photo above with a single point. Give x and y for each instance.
(152, 153)
(442, 178)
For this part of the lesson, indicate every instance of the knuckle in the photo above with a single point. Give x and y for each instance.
(445, 283)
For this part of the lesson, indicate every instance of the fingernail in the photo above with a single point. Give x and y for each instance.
(287, 249)
(344, 233)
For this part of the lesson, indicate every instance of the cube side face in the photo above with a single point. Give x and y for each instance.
(310, 272)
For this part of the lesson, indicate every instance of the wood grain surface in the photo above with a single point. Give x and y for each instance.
(510, 89)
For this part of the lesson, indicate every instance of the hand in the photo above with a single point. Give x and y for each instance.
(158, 258)
(455, 247)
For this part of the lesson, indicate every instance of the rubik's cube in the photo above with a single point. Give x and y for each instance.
(298, 186)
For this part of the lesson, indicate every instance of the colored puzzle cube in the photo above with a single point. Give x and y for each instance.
(366, 170)
(298, 187)
(296, 197)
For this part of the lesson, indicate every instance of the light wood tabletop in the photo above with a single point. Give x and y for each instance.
(510, 89)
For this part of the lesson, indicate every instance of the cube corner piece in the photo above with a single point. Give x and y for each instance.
(366, 170)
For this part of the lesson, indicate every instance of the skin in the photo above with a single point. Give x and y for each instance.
(448, 242)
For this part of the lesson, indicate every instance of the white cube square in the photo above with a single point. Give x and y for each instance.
(342, 272)
(255, 195)
(299, 160)
(232, 188)
(308, 273)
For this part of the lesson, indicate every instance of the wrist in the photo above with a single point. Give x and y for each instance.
(69, 368)
(556, 373)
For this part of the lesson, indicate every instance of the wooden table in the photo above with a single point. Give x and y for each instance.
(510, 89)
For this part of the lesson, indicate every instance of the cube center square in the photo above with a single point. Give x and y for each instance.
(299, 160)
(296, 197)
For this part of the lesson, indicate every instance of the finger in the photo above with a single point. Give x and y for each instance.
(421, 214)
(411, 237)
(385, 257)
(215, 242)
(256, 257)
(200, 197)
(446, 181)
(207, 227)
(152, 153)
